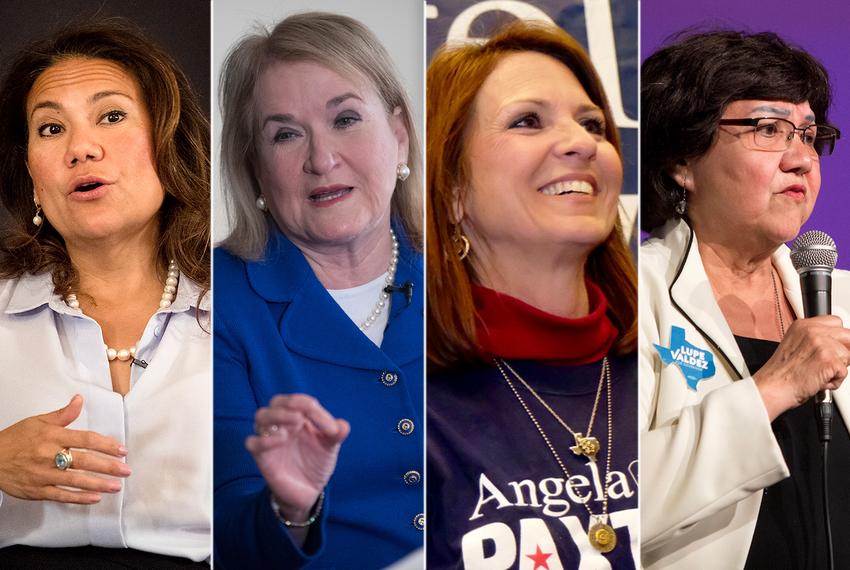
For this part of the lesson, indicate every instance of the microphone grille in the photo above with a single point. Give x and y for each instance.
(813, 250)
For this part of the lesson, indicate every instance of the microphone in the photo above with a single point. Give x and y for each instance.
(406, 288)
(814, 255)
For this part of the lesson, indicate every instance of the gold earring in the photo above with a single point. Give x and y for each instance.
(460, 243)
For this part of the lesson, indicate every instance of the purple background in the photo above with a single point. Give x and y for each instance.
(821, 27)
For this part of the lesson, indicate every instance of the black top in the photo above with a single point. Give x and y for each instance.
(496, 496)
(790, 531)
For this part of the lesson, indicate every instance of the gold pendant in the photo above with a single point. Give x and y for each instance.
(588, 446)
(602, 537)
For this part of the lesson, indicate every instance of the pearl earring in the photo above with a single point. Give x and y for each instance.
(402, 171)
(261, 204)
(37, 219)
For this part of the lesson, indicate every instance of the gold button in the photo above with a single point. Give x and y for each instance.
(412, 478)
(405, 426)
(389, 378)
(419, 522)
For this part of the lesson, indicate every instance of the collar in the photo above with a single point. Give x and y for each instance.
(510, 328)
(283, 270)
(29, 292)
(691, 293)
(33, 291)
(284, 276)
(187, 298)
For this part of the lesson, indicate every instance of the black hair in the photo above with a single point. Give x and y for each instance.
(687, 85)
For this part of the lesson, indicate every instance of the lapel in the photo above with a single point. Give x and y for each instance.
(281, 273)
(691, 293)
(312, 323)
(403, 339)
(790, 279)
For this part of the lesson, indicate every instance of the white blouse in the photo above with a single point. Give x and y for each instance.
(359, 302)
(48, 353)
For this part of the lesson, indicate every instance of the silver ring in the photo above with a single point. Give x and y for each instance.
(63, 460)
(270, 431)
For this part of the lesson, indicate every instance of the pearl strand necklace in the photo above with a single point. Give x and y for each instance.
(382, 299)
(168, 293)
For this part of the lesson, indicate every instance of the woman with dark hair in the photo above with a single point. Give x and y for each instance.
(318, 340)
(531, 311)
(734, 129)
(104, 323)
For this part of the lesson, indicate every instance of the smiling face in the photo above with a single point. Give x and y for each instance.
(757, 195)
(326, 153)
(90, 151)
(542, 172)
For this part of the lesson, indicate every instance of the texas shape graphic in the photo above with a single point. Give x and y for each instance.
(695, 363)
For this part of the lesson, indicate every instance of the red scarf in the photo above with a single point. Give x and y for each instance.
(510, 328)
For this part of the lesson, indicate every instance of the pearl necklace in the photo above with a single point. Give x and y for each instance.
(382, 299)
(168, 293)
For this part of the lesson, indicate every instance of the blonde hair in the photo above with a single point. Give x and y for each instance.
(339, 43)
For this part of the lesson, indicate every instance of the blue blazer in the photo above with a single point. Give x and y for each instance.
(277, 330)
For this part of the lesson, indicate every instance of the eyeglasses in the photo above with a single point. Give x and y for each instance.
(775, 134)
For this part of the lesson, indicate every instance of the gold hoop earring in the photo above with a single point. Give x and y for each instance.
(460, 243)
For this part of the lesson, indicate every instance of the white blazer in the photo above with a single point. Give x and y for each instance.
(707, 449)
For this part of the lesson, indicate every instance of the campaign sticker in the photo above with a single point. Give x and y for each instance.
(695, 363)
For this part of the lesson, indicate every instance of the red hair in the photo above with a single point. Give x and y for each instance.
(455, 76)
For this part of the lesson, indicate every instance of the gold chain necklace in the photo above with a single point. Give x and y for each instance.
(586, 445)
(600, 534)
(778, 307)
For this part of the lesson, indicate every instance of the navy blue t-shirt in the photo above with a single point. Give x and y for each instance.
(496, 496)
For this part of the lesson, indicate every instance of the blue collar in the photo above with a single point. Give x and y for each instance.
(284, 276)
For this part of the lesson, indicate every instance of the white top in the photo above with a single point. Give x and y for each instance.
(359, 302)
(48, 353)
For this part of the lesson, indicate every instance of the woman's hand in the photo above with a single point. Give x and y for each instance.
(28, 449)
(296, 449)
(813, 356)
